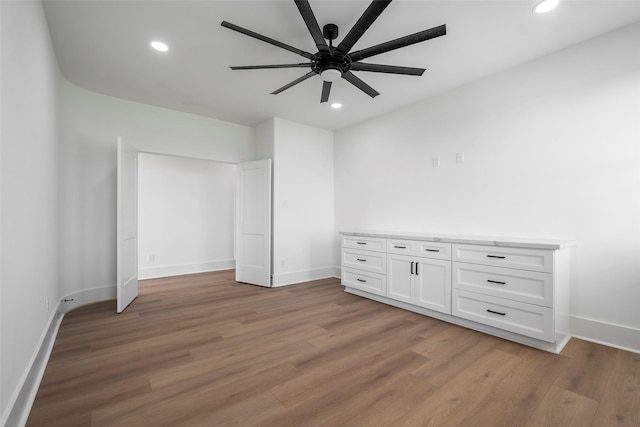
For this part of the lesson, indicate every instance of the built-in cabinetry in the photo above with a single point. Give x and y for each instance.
(420, 273)
(513, 288)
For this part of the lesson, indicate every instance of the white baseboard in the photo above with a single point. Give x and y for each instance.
(22, 400)
(180, 269)
(86, 296)
(302, 276)
(618, 336)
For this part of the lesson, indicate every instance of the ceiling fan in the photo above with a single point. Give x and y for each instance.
(333, 63)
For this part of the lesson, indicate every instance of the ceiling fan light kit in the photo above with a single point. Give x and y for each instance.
(331, 75)
(333, 63)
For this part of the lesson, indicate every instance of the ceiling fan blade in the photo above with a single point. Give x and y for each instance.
(326, 89)
(265, 39)
(398, 43)
(260, 67)
(351, 78)
(312, 24)
(293, 83)
(364, 22)
(392, 69)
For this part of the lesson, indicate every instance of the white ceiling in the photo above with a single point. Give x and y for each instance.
(104, 46)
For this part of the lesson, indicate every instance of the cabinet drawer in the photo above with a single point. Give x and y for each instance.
(375, 262)
(524, 259)
(520, 285)
(366, 281)
(366, 243)
(419, 248)
(525, 319)
(402, 247)
(434, 250)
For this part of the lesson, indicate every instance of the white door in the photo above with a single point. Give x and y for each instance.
(253, 223)
(127, 234)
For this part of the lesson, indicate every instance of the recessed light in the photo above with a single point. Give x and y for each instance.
(336, 105)
(159, 46)
(545, 6)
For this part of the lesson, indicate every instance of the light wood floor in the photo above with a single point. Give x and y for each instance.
(203, 350)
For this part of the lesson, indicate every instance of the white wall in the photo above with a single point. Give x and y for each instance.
(90, 124)
(552, 150)
(303, 231)
(185, 215)
(29, 191)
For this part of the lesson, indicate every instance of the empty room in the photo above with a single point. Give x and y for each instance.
(320, 213)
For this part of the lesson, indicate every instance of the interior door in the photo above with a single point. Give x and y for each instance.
(127, 225)
(253, 223)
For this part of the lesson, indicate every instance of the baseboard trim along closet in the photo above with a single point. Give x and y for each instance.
(181, 269)
(301, 276)
(22, 400)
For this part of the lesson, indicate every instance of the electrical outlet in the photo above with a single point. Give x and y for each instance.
(460, 157)
(151, 257)
(435, 161)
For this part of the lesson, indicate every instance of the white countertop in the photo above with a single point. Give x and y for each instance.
(514, 242)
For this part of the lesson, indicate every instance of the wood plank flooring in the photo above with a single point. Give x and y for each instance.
(203, 350)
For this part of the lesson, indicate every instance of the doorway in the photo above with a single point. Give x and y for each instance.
(186, 209)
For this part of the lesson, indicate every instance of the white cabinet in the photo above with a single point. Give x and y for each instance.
(513, 288)
(517, 296)
(419, 280)
(433, 284)
(364, 264)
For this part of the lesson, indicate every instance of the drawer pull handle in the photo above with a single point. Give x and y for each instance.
(432, 250)
(362, 243)
(496, 256)
(360, 280)
(361, 260)
(496, 282)
(400, 247)
(496, 312)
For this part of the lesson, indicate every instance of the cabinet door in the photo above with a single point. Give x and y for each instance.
(399, 277)
(433, 284)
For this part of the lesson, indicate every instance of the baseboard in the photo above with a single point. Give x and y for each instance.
(21, 402)
(180, 269)
(86, 296)
(618, 336)
(338, 272)
(302, 276)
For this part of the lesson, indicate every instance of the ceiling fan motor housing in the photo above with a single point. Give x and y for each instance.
(322, 61)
